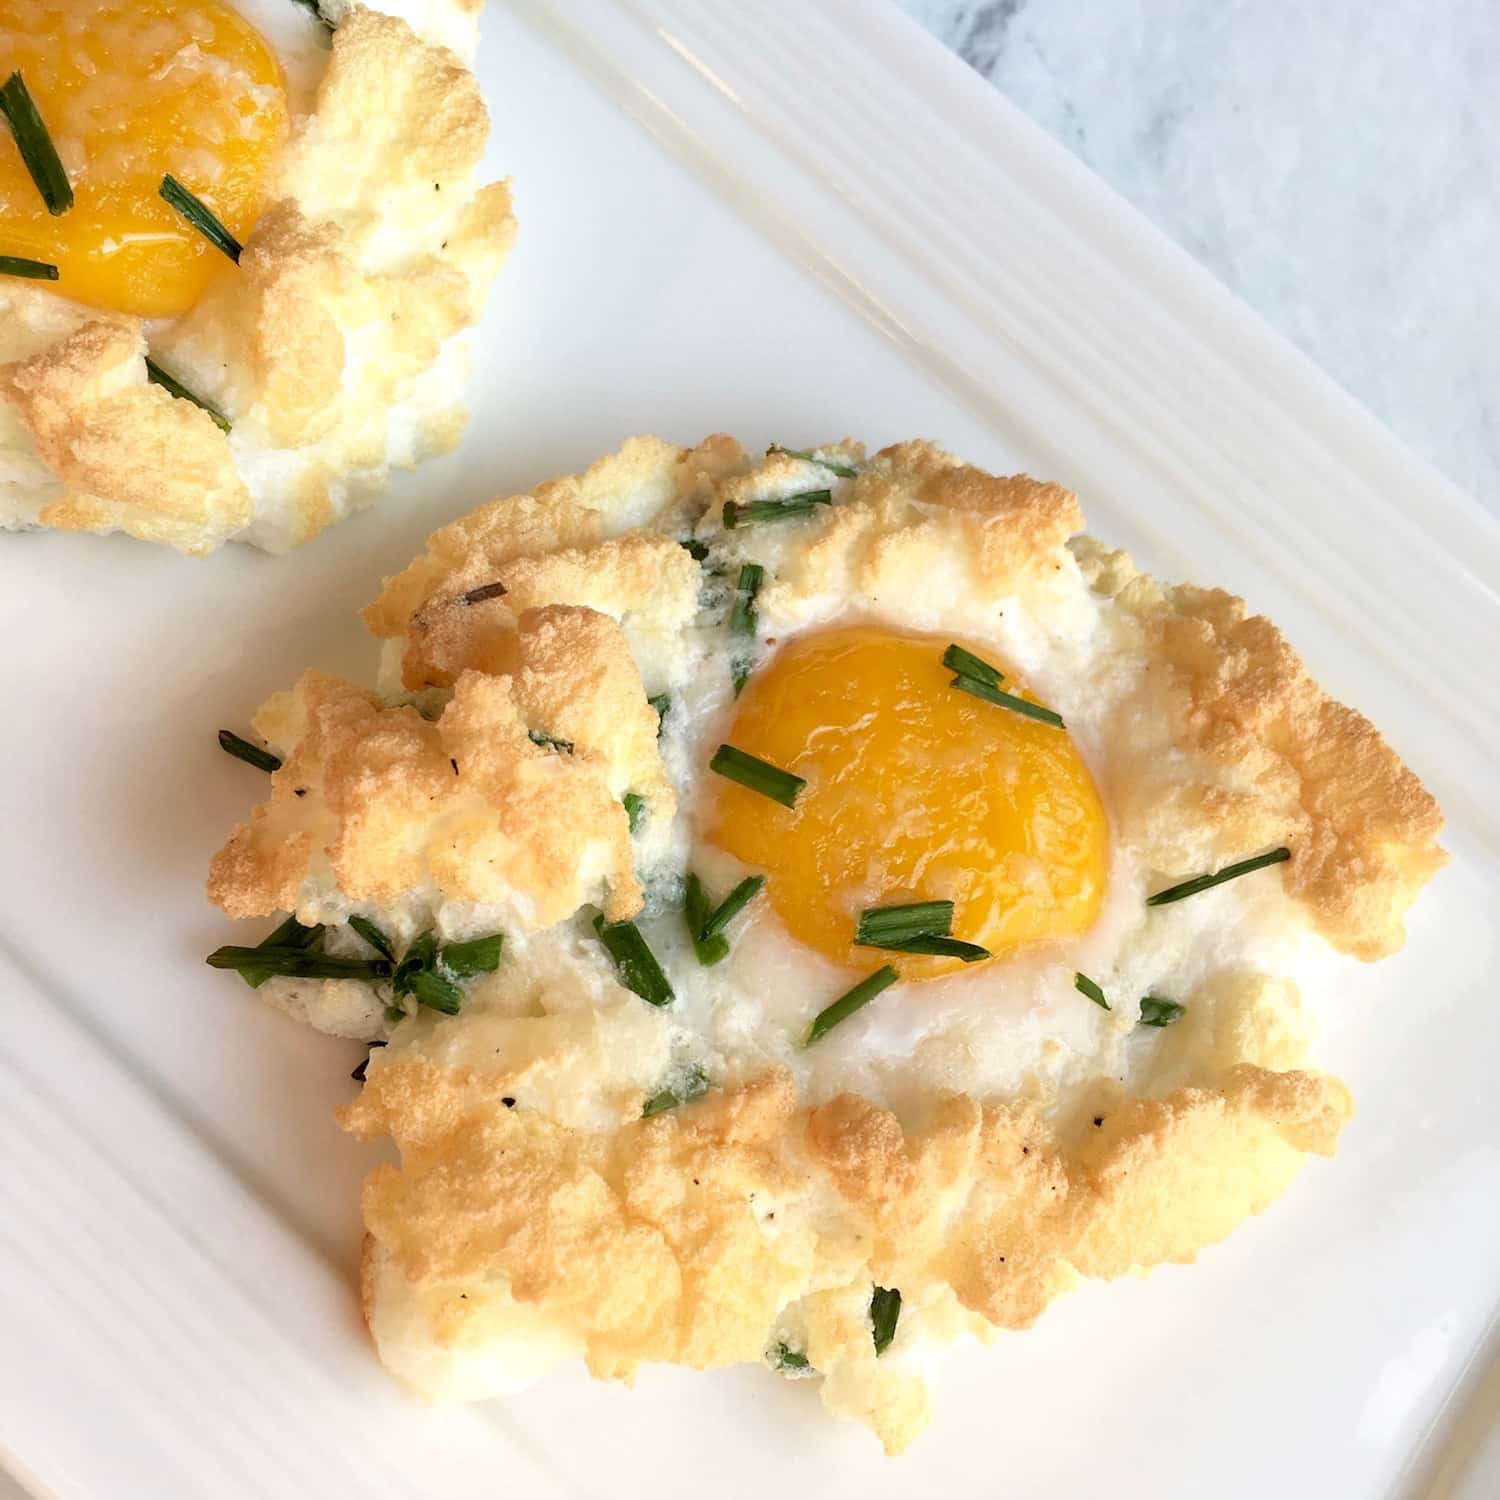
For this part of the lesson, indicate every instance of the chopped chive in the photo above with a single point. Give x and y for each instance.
(759, 776)
(416, 975)
(732, 905)
(252, 755)
(477, 956)
(751, 511)
(547, 741)
(693, 1086)
(358, 1075)
(373, 936)
(634, 961)
(1086, 986)
(435, 992)
(695, 549)
(1007, 700)
(496, 590)
(783, 1357)
(842, 470)
(1157, 1012)
(635, 806)
(661, 702)
(297, 963)
(30, 270)
(879, 925)
(739, 674)
(885, 1309)
(35, 145)
(1229, 872)
(849, 1002)
(395, 1014)
(696, 913)
(966, 664)
(290, 934)
(742, 614)
(173, 387)
(200, 216)
(942, 947)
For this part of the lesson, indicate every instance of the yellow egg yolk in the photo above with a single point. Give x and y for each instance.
(915, 792)
(130, 90)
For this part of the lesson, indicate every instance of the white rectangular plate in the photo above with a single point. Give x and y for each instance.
(791, 221)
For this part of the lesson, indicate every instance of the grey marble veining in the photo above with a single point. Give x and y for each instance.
(1335, 162)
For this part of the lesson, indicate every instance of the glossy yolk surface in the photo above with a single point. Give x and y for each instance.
(915, 792)
(130, 90)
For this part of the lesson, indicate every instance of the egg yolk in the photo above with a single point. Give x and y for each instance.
(130, 90)
(915, 791)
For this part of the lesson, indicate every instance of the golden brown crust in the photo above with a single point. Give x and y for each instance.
(912, 509)
(560, 545)
(376, 804)
(129, 456)
(396, 122)
(685, 1237)
(1308, 772)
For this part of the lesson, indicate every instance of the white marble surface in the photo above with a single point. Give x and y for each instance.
(1337, 164)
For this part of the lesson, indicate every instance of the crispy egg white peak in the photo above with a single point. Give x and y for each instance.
(658, 1128)
(166, 386)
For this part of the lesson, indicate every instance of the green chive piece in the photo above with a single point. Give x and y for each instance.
(885, 1309)
(1007, 700)
(695, 549)
(252, 755)
(1086, 986)
(1207, 882)
(477, 956)
(942, 947)
(751, 511)
(845, 1006)
(1158, 1012)
(373, 936)
(732, 905)
(881, 925)
(661, 703)
(35, 145)
(742, 614)
(694, 1085)
(784, 1357)
(435, 992)
(536, 737)
(416, 975)
(740, 675)
(634, 961)
(696, 913)
(758, 775)
(30, 270)
(173, 387)
(975, 668)
(291, 934)
(200, 216)
(842, 470)
(395, 1014)
(297, 963)
(635, 807)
